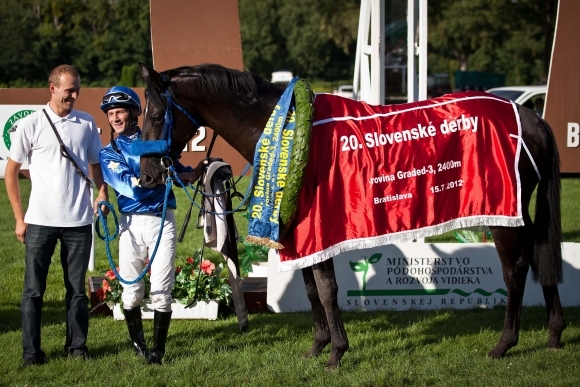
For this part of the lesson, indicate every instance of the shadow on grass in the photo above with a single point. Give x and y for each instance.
(428, 327)
(53, 313)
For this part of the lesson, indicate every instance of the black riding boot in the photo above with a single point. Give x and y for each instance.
(135, 325)
(161, 322)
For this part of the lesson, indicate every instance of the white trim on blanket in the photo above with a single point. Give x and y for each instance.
(403, 236)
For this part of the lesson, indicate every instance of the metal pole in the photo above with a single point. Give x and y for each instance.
(422, 50)
(378, 52)
(411, 70)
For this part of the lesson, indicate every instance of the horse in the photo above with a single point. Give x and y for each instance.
(237, 104)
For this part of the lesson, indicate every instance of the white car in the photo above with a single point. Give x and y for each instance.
(344, 91)
(532, 97)
(282, 77)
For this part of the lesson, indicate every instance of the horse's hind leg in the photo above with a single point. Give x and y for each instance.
(321, 331)
(328, 293)
(556, 323)
(514, 250)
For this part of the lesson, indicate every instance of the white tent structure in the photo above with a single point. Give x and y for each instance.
(369, 69)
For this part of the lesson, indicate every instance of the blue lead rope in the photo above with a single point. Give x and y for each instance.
(209, 195)
(107, 238)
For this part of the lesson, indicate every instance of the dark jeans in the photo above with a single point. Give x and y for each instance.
(74, 258)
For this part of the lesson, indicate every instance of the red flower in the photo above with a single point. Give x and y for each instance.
(110, 274)
(105, 286)
(189, 260)
(207, 266)
(101, 294)
(178, 269)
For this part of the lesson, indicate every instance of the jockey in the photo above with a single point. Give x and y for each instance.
(140, 222)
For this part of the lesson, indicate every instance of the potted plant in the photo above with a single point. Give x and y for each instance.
(199, 283)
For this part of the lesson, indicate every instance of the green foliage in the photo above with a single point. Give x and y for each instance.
(467, 236)
(250, 252)
(98, 37)
(316, 39)
(508, 37)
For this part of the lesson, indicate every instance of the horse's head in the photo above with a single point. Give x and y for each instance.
(168, 125)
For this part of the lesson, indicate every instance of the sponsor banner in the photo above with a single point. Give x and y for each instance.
(10, 115)
(407, 276)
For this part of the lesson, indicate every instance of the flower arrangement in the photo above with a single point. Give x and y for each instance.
(200, 279)
(196, 279)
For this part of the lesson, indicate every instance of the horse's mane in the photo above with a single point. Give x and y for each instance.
(219, 80)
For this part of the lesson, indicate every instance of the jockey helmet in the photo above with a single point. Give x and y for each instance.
(121, 97)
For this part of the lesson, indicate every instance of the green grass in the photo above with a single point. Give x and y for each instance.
(413, 348)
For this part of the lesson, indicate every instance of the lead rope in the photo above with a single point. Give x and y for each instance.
(107, 238)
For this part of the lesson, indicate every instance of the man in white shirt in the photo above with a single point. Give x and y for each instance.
(60, 207)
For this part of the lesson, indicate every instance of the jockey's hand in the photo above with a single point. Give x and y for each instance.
(104, 209)
(188, 177)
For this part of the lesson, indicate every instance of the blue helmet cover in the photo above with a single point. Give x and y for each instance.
(121, 96)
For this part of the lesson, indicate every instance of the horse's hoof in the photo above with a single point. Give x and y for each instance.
(310, 354)
(495, 354)
(332, 367)
(315, 350)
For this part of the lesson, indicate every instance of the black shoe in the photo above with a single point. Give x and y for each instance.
(154, 358)
(34, 361)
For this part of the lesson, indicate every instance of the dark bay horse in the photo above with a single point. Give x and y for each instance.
(236, 105)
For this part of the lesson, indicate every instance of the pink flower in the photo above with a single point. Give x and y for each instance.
(105, 286)
(110, 274)
(207, 266)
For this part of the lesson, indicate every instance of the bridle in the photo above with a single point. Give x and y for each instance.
(164, 146)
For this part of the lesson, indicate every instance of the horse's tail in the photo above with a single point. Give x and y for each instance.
(547, 261)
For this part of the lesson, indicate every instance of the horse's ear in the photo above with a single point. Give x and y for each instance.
(151, 76)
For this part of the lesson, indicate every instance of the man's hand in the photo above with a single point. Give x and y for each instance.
(20, 230)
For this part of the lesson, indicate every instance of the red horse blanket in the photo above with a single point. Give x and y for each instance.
(384, 174)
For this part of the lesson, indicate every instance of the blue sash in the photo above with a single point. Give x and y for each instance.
(271, 166)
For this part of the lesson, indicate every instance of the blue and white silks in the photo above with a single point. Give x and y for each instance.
(271, 166)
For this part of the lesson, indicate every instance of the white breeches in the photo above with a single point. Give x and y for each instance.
(137, 238)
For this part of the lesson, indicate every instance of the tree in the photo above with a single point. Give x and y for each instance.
(99, 37)
(509, 37)
(313, 38)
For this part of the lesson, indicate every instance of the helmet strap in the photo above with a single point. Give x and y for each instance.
(113, 143)
(133, 122)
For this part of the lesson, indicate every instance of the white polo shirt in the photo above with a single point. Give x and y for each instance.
(59, 197)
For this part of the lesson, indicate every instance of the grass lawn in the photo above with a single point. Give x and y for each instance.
(387, 348)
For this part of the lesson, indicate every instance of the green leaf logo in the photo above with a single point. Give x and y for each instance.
(358, 267)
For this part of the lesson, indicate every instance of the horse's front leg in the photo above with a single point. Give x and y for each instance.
(513, 253)
(556, 323)
(328, 293)
(321, 331)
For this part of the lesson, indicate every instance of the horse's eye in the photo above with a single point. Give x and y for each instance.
(156, 119)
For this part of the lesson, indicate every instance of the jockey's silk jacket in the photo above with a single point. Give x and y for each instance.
(122, 170)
